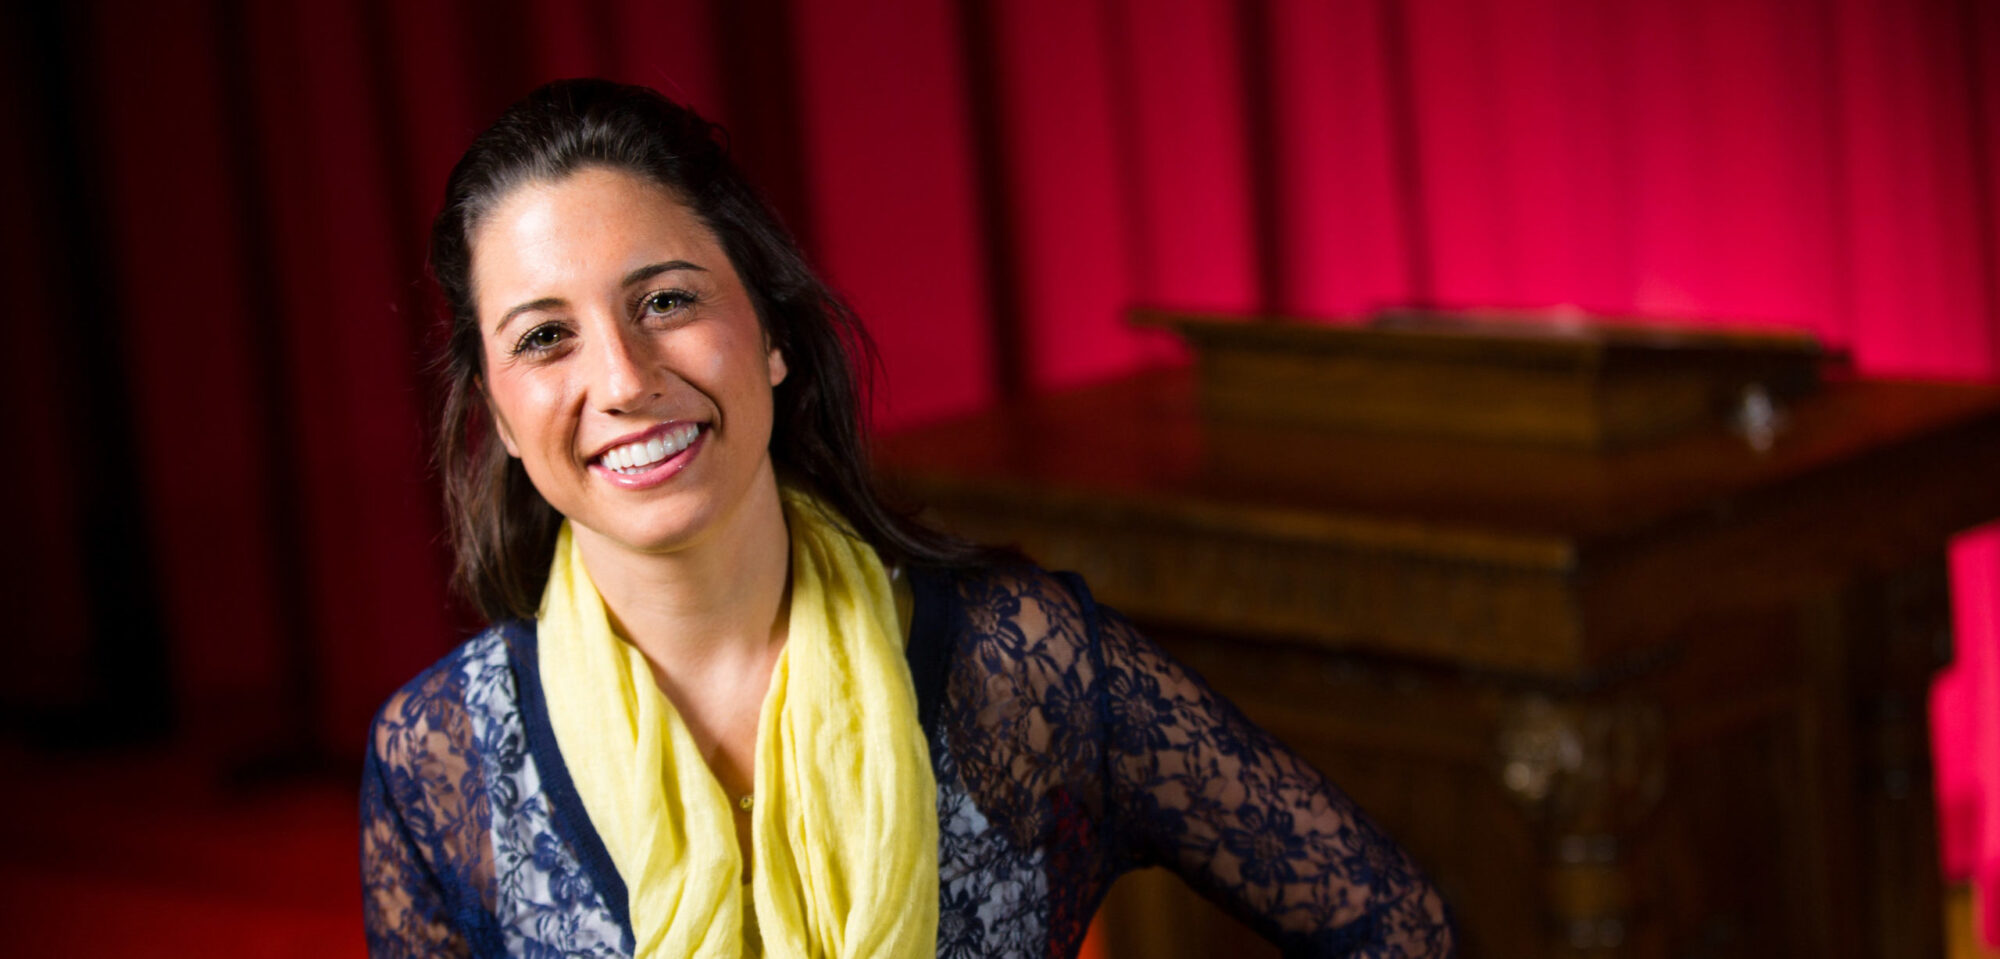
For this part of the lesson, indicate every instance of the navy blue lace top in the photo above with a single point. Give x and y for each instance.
(1068, 750)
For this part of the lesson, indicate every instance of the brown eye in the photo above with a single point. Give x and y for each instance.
(539, 339)
(666, 301)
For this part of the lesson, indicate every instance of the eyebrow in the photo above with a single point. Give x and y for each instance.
(639, 275)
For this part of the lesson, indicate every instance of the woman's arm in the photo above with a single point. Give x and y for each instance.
(423, 825)
(403, 906)
(1200, 789)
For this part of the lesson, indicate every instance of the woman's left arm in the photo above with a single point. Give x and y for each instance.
(1198, 788)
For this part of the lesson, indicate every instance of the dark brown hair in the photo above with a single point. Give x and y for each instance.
(502, 530)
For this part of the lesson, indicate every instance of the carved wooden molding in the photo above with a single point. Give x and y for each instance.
(1588, 774)
(1505, 618)
(1593, 770)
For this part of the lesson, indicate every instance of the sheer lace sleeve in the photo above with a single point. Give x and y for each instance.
(1088, 751)
(1198, 788)
(424, 812)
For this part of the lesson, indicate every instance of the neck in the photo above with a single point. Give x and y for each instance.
(719, 601)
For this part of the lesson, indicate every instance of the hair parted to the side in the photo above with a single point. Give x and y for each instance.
(502, 531)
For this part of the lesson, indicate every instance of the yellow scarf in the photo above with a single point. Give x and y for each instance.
(844, 825)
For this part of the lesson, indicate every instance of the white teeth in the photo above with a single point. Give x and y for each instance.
(633, 457)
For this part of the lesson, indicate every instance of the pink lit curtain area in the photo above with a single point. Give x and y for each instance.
(992, 183)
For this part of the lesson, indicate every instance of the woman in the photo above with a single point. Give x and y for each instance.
(731, 703)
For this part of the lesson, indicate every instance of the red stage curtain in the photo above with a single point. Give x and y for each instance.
(221, 296)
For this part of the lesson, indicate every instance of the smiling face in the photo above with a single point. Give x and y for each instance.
(624, 362)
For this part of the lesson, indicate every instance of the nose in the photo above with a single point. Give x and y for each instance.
(624, 377)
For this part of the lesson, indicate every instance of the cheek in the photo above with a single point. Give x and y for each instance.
(527, 402)
(716, 366)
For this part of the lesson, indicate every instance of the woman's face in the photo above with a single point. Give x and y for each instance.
(625, 364)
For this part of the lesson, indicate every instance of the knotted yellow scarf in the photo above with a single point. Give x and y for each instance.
(844, 825)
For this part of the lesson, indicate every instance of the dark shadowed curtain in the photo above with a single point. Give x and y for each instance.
(215, 215)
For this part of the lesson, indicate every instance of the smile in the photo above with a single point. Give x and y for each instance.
(638, 456)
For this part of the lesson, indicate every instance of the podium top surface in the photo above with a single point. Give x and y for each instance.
(1143, 440)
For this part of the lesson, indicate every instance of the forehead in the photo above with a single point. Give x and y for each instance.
(563, 238)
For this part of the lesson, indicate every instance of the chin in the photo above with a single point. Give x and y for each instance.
(658, 527)
(653, 538)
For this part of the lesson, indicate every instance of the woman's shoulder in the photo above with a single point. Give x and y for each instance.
(438, 709)
(1018, 634)
(1023, 601)
(437, 765)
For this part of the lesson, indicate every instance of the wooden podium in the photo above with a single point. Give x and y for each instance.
(1652, 685)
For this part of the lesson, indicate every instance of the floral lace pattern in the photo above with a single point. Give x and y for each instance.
(544, 904)
(1088, 741)
(1068, 750)
(989, 890)
(426, 863)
